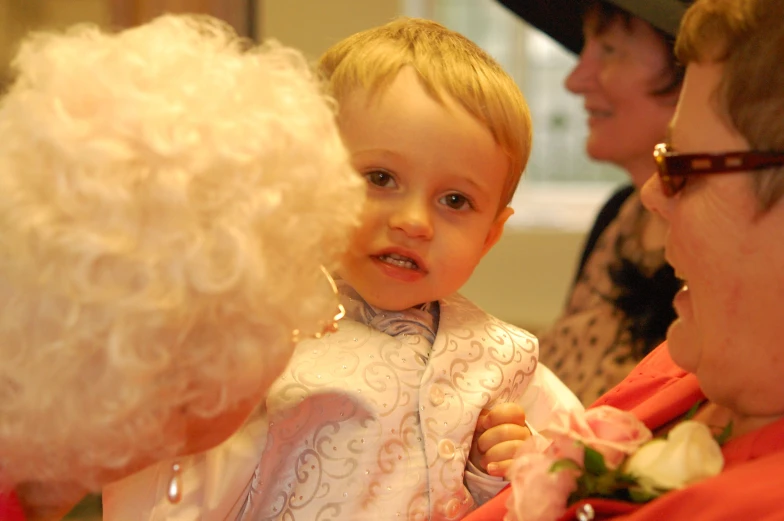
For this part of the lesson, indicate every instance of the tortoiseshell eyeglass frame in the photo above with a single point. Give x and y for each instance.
(675, 168)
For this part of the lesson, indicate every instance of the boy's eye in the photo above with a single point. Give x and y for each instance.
(380, 178)
(456, 202)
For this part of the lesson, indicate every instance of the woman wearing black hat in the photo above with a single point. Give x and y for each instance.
(621, 303)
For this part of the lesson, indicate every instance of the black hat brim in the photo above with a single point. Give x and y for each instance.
(562, 19)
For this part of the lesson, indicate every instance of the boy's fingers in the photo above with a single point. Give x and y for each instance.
(499, 469)
(500, 434)
(502, 413)
(482, 423)
(501, 452)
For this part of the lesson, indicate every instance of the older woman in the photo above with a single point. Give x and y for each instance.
(167, 209)
(719, 188)
(620, 305)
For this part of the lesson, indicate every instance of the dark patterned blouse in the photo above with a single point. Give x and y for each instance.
(619, 309)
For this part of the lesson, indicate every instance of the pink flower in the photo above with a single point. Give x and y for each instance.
(557, 447)
(566, 447)
(534, 445)
(538, 494)
(610, 431)
(546, 474)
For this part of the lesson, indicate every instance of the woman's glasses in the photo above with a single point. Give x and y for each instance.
(674, 168)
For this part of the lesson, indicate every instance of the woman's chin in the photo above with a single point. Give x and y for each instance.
(683, 347)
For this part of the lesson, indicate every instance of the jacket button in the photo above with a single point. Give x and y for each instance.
(436, 396)
(452, 508)
(446, 449)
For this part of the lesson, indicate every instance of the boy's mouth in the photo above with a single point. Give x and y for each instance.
(398, 260)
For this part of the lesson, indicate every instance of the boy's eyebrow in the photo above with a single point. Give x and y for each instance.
(376, 150)
(472, 182)
(382, 151)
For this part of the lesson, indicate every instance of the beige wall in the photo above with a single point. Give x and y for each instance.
(19, 16)
(312, 26)
(525, 277)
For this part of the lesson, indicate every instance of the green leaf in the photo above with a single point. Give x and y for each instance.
(691, 412)
(725, 434)
(606, 484)
(565, 464)
(594, 462)
(625, 479)
(587, 485)
(640, 495)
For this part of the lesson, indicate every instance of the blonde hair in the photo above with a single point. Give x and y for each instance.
(448, 64)
(747, 36)
(167, 197)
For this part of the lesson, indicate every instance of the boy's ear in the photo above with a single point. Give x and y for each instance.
(497, 228)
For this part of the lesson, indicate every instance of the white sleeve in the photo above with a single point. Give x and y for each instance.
(545, 395)
(483, 487)
(214, 483)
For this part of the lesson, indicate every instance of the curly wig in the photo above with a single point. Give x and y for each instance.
(168, 194)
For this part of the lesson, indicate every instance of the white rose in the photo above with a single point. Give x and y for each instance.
(688, 455)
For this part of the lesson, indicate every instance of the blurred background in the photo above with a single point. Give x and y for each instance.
(524, 279)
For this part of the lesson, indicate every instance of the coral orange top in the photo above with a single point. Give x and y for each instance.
(10, 508)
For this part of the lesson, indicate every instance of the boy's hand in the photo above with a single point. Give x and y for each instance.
(499, 433)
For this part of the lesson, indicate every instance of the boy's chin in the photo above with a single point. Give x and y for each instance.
(394, 301)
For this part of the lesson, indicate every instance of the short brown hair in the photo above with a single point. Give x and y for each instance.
(747, 36)
(670, 78)
(448, 64)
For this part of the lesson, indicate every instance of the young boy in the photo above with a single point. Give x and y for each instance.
(377, 421)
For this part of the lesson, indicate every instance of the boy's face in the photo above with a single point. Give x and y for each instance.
(435, 179)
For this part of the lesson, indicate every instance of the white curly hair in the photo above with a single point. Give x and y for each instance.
(168, 194)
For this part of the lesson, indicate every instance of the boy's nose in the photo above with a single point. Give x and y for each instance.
(413, 218)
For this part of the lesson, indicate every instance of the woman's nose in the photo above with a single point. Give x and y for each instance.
(584, 75)
(413, 218)
(653, 197)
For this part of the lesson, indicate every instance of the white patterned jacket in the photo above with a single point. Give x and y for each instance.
(362, 426)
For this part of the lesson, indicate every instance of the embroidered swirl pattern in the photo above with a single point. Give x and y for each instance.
(363, 425)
